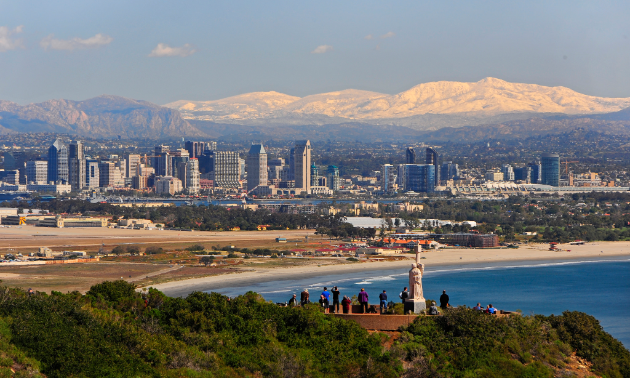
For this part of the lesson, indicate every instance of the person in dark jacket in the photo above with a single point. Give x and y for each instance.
(363, 300)
(326, 295)
(335, 294)
(304, 297)
(404, 295)
(383, 300)
(444, 300)
(323, 303)
(345, 304)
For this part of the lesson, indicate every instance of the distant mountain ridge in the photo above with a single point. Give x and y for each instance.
(104, 116)
(455, 103)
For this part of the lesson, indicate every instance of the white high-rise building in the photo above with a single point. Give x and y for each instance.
(257, 167)
(508, 172)
(37, 171)
(302, 163)
(193, 185)
(388, 178)
(92, 174)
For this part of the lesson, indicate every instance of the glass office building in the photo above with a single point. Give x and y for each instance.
(550, 169)
(420, 178)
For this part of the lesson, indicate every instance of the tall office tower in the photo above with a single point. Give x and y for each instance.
(302, 162)
(314, 175)
(432, 158)
(334, 182)
(195, 149)
(242, 170)
(107, 174)
(291, 165)
(161, 160)
(508, 172)
(16, 160)
(389, 174)
(225, 169)
(92, 174)
(211, 146)
(132, 161)
(536, 172)
(550, 169)
(178, 157)
(58, 162)
(420, 178)
(449, 171)
(400, 180)
(275, 167)
(37, 171)
(76, 165)
(410, 156)
(193, 185)
(10, 177)
(523, 174)
(256, 167)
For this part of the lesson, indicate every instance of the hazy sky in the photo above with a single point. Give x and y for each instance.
(163, 51)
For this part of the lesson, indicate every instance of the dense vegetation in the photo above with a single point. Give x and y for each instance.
(115, 331)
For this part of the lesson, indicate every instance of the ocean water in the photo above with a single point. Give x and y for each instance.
(598, 287)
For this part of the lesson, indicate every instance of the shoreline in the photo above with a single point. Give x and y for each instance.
(598, 251)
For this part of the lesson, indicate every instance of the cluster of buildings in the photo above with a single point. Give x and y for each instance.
(201, 166)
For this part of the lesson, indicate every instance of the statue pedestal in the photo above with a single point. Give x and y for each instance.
(415, 306)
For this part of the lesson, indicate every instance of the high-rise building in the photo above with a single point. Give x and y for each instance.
(195, 149)
(410, 156)
(420, 178)
(334, 182)
(433, 159)
(302, 163)
(107, 174)
(550, 169)
(389, 174)
(16, 160)
(178, 157)
(161, 160)
(494, 175)
(523, 174)
(242, 169)
(536, 172)
(58, 162)
(225, 171)
(257, 174)
(314, 175)
(37, 171)
(133, 161)
(76, 165)
(449, 171)
(92, 174)
(291, 165)
(193, 185)
(508, 172)
(211, 146)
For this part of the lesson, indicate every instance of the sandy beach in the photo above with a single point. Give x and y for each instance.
(447, 257)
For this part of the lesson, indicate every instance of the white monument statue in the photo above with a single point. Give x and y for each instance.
(416, 299)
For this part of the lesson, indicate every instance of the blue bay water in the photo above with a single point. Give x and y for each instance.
(598, 287)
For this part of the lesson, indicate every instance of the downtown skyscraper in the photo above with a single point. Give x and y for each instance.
(76, 165)
(302, 173)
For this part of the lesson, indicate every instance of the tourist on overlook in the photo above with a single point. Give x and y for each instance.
(491, 310)
(444, 300)
(383, 297)
(346, 303)
(293, 301)
(404, 294)
(324, 303)
(478, 307)
(326, 295)
(304, 297)
(433, 310)
(363, 301)
(335, 293)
